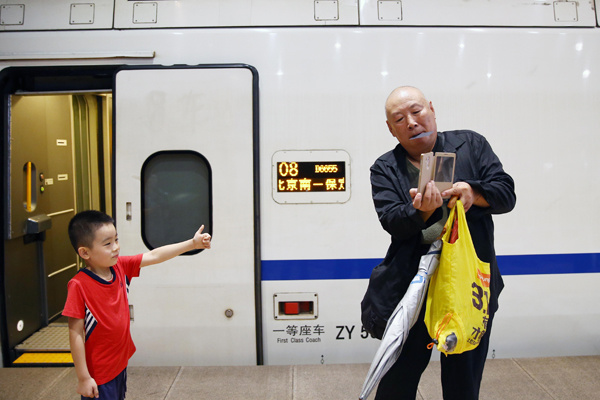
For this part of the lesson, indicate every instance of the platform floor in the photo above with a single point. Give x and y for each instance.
(568, 378)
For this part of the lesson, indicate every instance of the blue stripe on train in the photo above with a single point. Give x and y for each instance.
(289, 270)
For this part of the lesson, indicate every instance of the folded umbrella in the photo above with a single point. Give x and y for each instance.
(402, 319)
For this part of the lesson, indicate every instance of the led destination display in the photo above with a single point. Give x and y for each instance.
(311, 176)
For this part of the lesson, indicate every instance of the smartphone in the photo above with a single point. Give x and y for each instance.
(425, 171)
(438, 167)
(443, 174)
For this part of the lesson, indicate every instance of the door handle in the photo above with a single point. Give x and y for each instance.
(38, 224)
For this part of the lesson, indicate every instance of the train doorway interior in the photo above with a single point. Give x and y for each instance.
(57, 147)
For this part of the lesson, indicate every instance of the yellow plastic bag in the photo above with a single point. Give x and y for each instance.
(459, 292)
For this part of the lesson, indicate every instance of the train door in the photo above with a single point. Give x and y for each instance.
(186, 154)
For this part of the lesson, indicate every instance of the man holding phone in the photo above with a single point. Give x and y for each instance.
(415, 219)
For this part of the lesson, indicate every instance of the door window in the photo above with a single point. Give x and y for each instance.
(176, 197)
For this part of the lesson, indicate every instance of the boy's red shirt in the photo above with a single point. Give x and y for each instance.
(105, 308)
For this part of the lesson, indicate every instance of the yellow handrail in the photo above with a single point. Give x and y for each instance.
(28, 184)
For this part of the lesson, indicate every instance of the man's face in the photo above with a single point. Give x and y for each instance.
(409, 114)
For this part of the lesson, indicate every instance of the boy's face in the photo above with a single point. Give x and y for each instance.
(105, 248)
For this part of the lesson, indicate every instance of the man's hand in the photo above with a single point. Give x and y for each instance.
(427, 202)
(464, 192)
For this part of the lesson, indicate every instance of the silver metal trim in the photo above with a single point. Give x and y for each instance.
(12, 56)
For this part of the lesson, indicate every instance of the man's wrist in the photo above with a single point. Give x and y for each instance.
(426, 214)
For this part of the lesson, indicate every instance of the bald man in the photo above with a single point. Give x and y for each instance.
(414, 220)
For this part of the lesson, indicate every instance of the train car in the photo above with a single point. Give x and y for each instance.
(260, 120)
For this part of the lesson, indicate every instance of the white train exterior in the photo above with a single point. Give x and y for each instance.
(250, 84)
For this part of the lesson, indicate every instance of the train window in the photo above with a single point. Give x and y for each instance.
(176, 197)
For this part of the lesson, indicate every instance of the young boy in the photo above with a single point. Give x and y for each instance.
(97, 303)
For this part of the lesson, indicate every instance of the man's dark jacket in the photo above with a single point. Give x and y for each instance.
(477, 165)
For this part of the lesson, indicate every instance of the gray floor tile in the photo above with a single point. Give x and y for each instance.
(331, 382)
(565, 377)
(556, 378)
(150, 383)
(63, 388)
(28, 383)
(227, 383)
(505, 379)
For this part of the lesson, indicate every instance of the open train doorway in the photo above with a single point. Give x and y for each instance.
(57, 147)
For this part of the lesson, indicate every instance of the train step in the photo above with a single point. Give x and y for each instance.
(47, 347)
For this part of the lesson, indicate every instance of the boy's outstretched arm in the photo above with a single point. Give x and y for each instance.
(86, 385)
(164, 253)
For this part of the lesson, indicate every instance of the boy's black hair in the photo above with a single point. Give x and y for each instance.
(83, 227)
